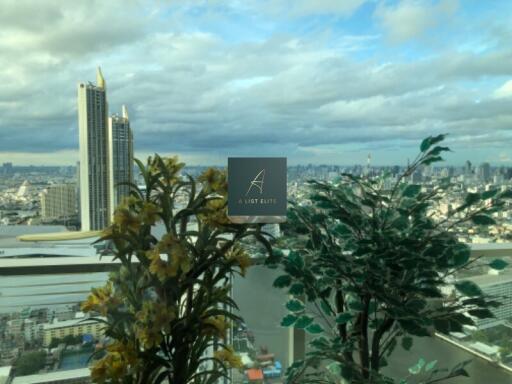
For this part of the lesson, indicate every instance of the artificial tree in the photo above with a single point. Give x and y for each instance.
(367, 262)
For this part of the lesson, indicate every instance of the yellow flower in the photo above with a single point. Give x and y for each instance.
(173, 165)
(228, 355)
(149, 213)
(129, 201)
(178, 259)
(161, 269)
(112, 368)
(101, 300)
(214, 180)
(216, 326)
(242, 259)
(153, 320)
(99, 371)
(167, 242)
(126, 351)
(216, 214)
(125, 219)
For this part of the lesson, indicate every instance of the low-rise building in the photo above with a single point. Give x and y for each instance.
(75, 327)
(499, 286)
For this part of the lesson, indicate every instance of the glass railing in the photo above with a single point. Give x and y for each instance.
(43, 331)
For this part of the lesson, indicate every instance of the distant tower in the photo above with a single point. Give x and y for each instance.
(95, 186)
(121, 148)
(484, 172)
(468, 167)
(368, 165)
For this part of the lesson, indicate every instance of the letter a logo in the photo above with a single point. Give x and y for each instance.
(257, 182)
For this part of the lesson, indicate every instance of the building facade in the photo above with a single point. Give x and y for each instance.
(500, 288)
(58, 201)
(121, 150)
(106, 155)
(94, 167)
(75, 327)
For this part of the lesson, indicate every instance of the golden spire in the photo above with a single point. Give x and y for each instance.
(124, 112)
(100, 81)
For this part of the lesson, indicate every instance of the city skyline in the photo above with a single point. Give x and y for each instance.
(326, 82)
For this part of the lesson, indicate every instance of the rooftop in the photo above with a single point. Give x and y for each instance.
(44, 240)
(51, 377)
(491, 279)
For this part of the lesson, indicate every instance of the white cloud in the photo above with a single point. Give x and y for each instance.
(411, 18)
(200, 94)
(504, 91)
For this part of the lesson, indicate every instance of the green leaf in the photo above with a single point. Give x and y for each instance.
(296, 260)
(413, 327)
(498, 264)
(438, 149)
(489, 194)
(483, 220)
(296, 289)
(430, 141)
(506, 194)
(407, 342)
(411, 190)
(282, 281)
(472, 198)
(430, 365)
(432, 159)
(356, 306)
(314, 328)
(288, 320)
(295, 305)
(416, 369)
(481, 313)
(462, 255)
(303, 321)
(334, 368)
(342, 229)
(326, 308)
(343, 318)
(468, 288)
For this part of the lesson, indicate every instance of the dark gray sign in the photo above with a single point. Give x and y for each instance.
(257, 187)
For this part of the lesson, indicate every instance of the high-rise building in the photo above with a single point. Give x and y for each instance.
(484, 172)
(7, 168)
(58, 201)
(106, 155)
(121, 149)
(468, 168)
(95, 188)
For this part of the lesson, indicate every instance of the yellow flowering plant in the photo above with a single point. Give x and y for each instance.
(168, 306)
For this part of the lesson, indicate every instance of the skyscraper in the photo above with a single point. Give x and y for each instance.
(95, 186)
(121, 149)
(106, 155)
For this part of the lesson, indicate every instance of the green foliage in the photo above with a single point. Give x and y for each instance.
(30, 363)
(170, 300)
(369, 263)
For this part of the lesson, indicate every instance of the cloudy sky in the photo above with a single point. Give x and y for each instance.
(320, 81)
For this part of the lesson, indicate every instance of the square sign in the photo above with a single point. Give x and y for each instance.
(257, 189)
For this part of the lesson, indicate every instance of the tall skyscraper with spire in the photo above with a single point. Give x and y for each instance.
(106, 155)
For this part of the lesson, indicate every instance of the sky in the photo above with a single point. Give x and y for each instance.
(318, 81)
